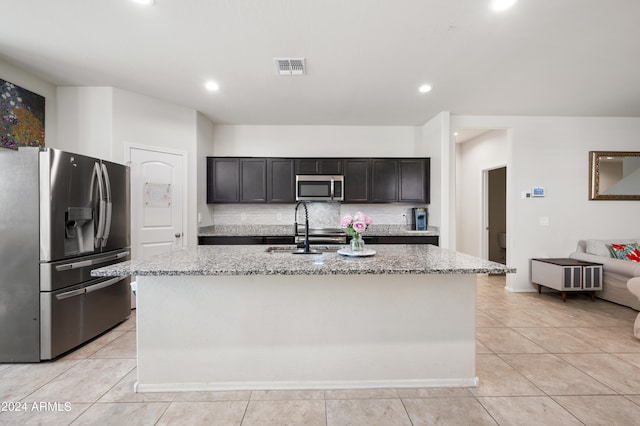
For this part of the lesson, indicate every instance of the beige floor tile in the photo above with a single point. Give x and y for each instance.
(603, 410)
(557, 341)
(554, 376)
(204, 413)
(17, 381)
(612, 340)
(482, 349)
(488, 302)
(515, 318)
(281, 413)
(617, 374)
(485, 320)
(86, 381)
(281, 395)
(43, 413)
(212, 396)
(122, 347)
(447, 411)
(135, 413)
(534, 411)
(633, 398)
(555, 317)
(497, 378)
(505, 341)
(94, 346)
(630, 358)
(123, 392)
(366, 412)
(361, 393)
(433, 392)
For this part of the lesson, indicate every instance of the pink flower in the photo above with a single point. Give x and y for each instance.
(346, 221)
(367, 220)
(359, 227)
(358, 217)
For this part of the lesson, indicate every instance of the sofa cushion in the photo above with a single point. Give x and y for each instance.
(601, 247)
(625, 251)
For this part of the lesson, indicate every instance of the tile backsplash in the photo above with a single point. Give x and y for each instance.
(321, 215)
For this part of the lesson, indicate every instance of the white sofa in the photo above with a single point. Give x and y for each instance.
(616, 272)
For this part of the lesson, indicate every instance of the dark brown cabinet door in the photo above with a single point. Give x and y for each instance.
(356, 180)
(222, 180)
(253, 180)
(280, 181)
(413, 185)
(319, 166)
(331, 166)
(384, 180)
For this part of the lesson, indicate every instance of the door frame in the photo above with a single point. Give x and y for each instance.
(484, 238)
(162, 150)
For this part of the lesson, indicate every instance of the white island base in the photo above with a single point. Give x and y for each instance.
(203, 333)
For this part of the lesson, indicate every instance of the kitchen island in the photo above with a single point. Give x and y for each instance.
(242, 317)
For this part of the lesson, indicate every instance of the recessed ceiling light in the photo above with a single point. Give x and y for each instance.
(500, 5)
(145, 2)
(212, 85)
(424, 88)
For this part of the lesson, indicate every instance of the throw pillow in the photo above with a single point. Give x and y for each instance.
(625, 251)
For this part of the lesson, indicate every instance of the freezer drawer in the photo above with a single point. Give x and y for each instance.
(65, 273)
(71, 316)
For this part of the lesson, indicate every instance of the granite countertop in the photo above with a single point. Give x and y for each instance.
(287, 230)
(257, 260)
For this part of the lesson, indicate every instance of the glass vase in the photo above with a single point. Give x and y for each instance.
(357, 243)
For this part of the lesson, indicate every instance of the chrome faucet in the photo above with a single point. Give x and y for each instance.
(305, 246)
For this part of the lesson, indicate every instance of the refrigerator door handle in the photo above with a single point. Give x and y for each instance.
(101, 207)
(107, 185)
(104, 284)
(72, 293)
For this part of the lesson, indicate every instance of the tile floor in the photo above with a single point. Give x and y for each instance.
(540, 362)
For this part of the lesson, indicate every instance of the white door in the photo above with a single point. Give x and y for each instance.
(156, 201)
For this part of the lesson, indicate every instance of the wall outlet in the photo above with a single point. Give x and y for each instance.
(199, 217)
(278, 217)
(526, 195)
(544, 221)
(243, 216)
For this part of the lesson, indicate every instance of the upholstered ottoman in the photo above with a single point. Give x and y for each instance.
(634, 287)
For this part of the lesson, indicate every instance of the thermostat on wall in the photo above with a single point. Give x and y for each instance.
(537, 191)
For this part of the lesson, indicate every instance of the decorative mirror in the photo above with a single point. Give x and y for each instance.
(614, 175)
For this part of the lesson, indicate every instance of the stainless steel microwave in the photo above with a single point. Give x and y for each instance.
(319, 188)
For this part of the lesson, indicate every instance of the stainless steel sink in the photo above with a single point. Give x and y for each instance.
(318, 249)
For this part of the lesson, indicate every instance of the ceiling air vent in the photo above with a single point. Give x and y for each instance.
(289, 66)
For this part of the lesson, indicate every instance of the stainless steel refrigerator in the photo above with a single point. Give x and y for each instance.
(61, 215)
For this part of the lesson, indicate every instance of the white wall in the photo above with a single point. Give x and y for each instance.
(205, 131)
(485, 152)
(141, 120)
(85, 120)
(435, 142)
(317, 141)
(328, 141)
(34, 84)
(553, 152)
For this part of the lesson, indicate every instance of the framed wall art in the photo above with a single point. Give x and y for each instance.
(21, 117)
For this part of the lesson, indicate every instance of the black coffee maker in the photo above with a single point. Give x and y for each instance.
(419, 218)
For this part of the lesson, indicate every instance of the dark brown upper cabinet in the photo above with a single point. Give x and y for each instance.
(272, 180)
(281, 187)
(384, 180)
(223, 183)
(319, 166)
(253, 180)
(414, 178)
(356, 180)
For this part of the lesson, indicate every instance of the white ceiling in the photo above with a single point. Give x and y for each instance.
(365, 58)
